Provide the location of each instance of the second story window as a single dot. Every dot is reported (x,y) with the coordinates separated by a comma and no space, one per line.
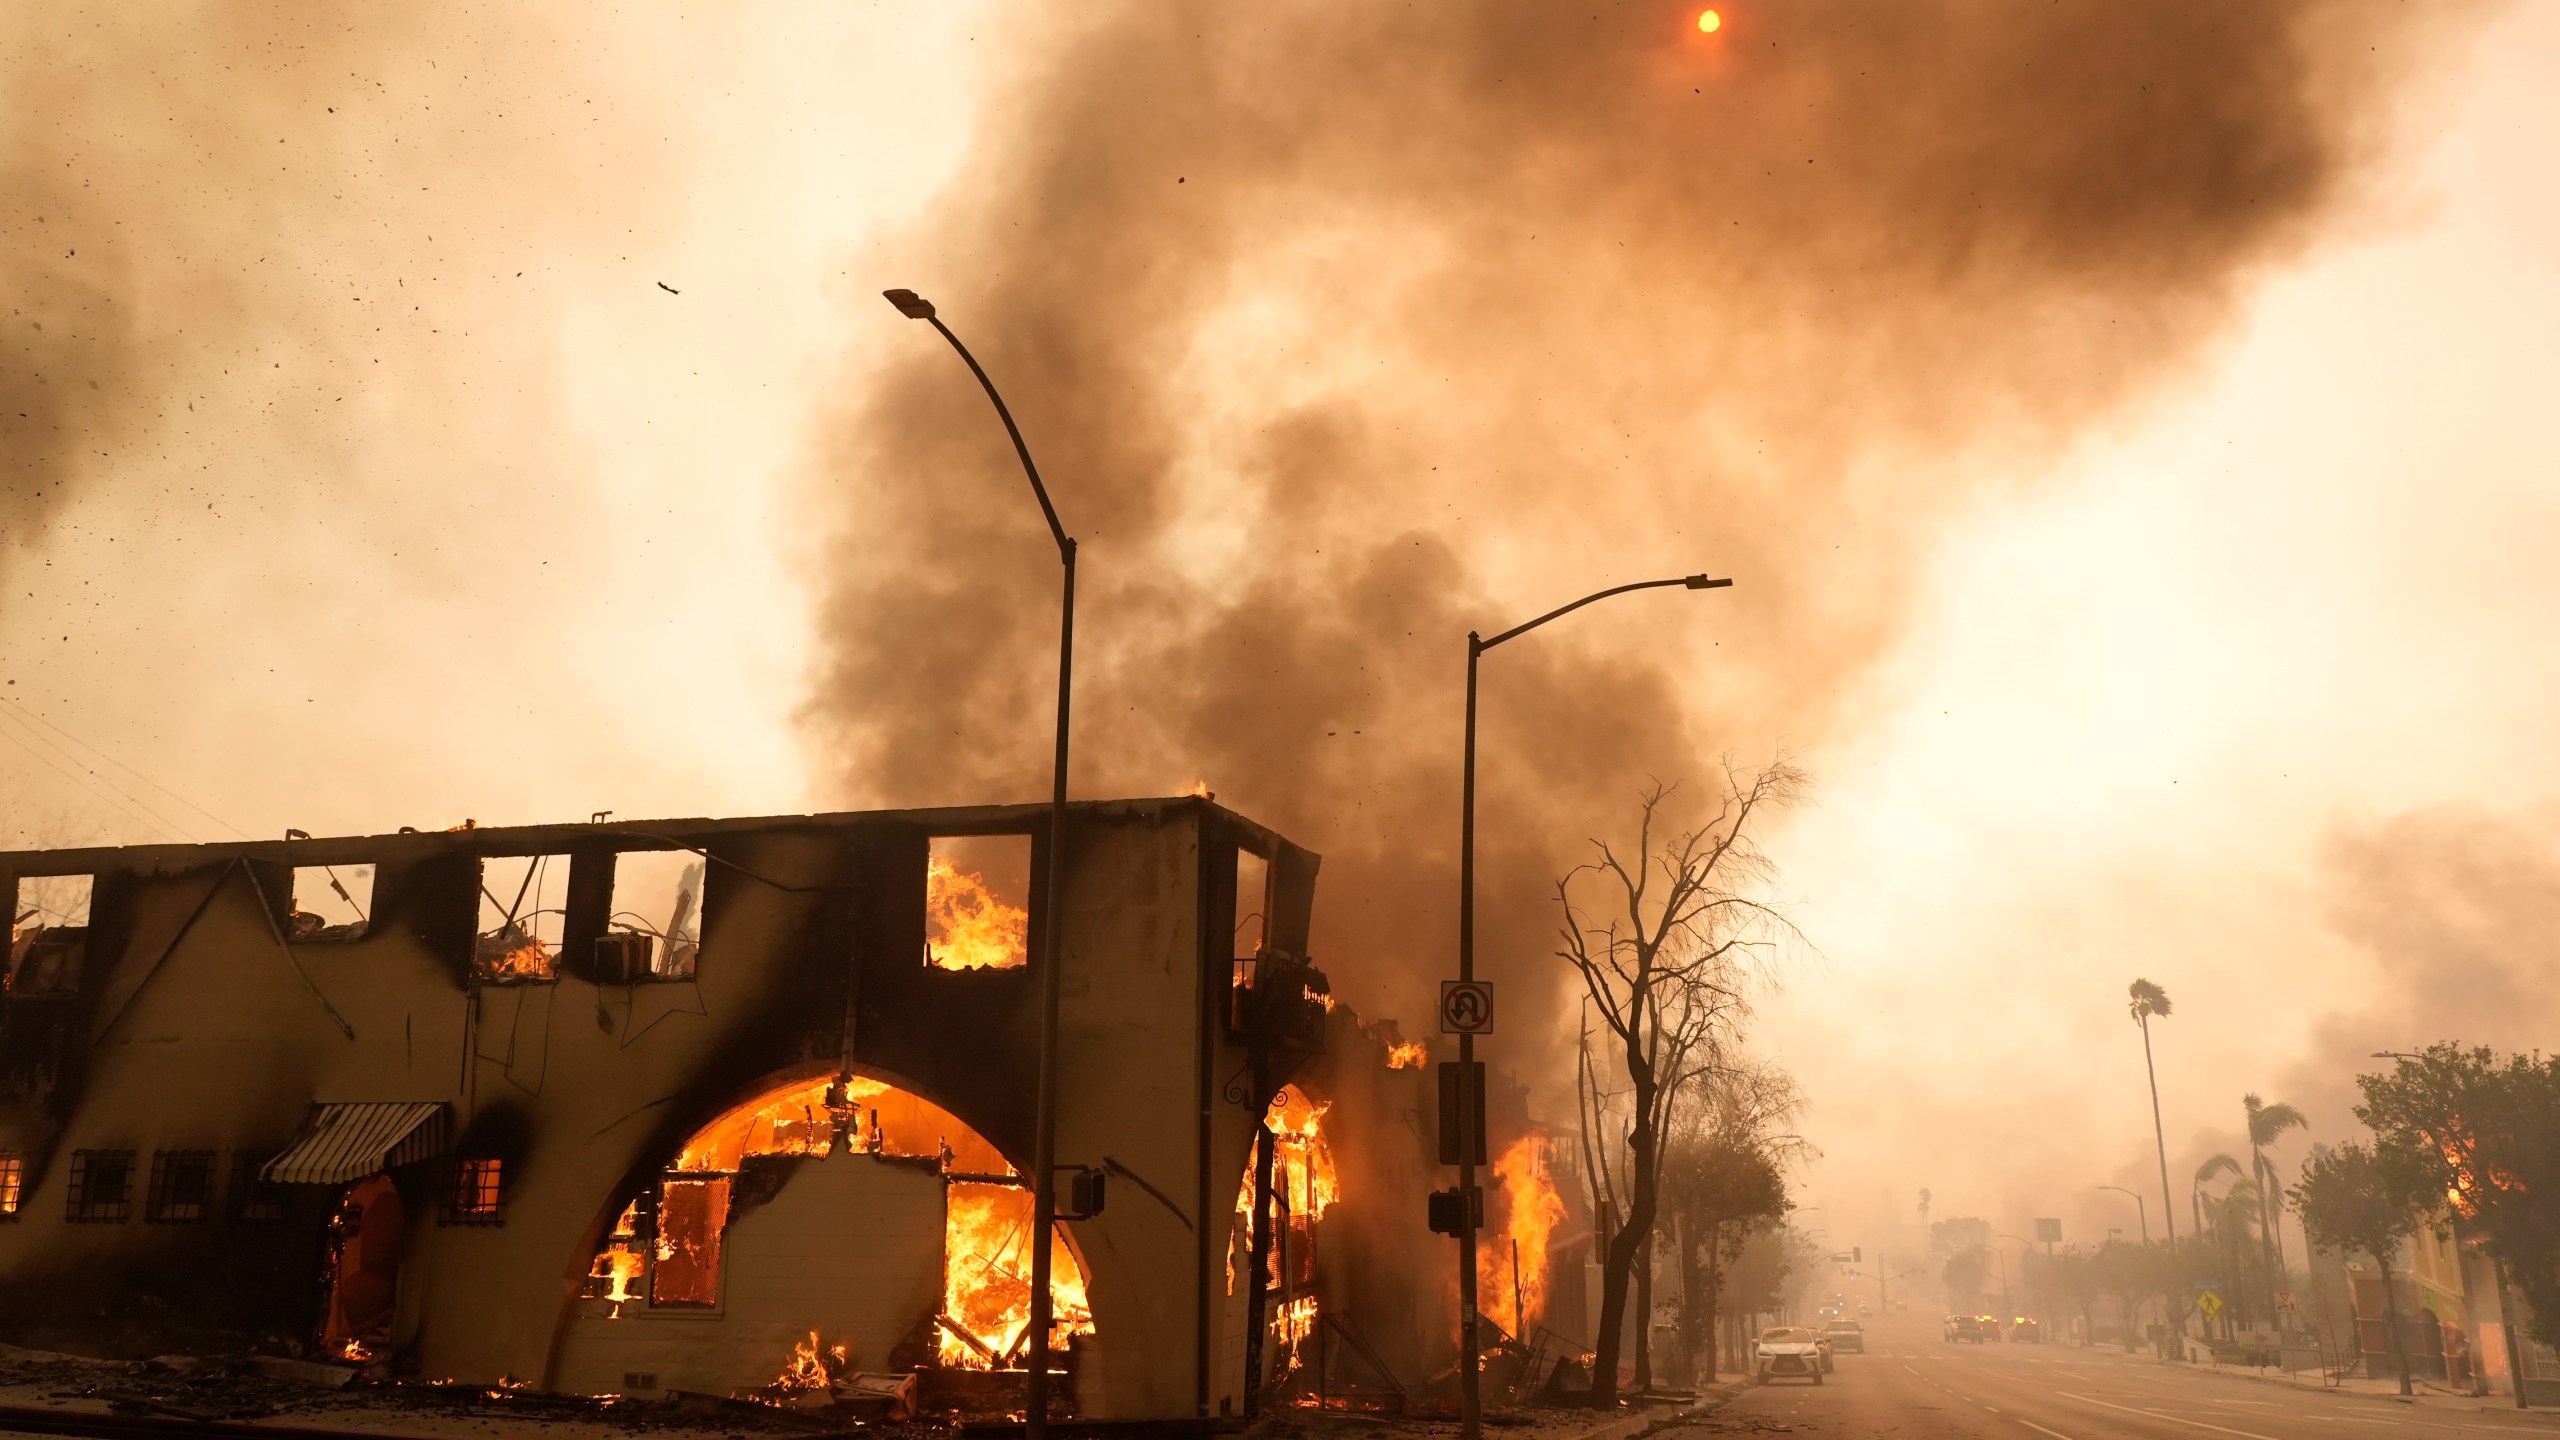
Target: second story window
(181,1187)
(977,902)
(13,1184)
(523,906)
(101,1188)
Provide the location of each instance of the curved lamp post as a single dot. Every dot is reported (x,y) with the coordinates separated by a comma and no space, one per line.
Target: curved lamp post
(1044,1132)
(1470,1377)
(2141,1211)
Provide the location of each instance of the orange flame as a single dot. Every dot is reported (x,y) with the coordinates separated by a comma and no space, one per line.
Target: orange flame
(1303,1181)
(1292,1324)
(986,1284)
(1408,1055)
(967,927)
(814,1366)
(1201,789)
(1535,1211)
(512,952)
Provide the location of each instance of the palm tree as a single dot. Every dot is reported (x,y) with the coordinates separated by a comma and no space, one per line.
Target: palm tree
(2211,1170)
(2150,1000)
(2266,1123)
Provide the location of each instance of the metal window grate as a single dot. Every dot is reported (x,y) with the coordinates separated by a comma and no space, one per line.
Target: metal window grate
(181,1190)
(477,1197)
(252,1195)
(13,1184)
(101,1189)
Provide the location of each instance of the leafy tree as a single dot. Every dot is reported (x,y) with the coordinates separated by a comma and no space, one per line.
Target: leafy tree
(1965,1275)
(1959,1233)
(1714,1191)
(2116,1269)
(2487,1133)
(2368,1198)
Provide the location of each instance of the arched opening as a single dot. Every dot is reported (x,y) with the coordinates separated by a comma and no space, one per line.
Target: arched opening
(826,1227)
(1303,1185)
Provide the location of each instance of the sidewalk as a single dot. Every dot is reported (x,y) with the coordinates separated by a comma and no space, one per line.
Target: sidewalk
(1629,1427)
(2426,1394)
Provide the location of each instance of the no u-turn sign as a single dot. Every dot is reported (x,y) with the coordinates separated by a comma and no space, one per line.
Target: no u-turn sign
(1466,1007)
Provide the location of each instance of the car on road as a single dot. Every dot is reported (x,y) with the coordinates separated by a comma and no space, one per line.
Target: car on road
(1846,1335)
(2026,1330)
(1990,1327)
(1965,1328)
(1788,1350)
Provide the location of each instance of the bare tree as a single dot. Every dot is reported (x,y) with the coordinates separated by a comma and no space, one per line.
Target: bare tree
(1668,973)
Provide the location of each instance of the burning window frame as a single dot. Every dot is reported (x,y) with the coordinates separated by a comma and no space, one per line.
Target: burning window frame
(995,915)
(492,966)
(84,1201)
(475,1191)
(13,1185)
(181,1188)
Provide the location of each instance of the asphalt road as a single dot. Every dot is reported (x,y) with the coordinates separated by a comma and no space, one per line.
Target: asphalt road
(1912,1384)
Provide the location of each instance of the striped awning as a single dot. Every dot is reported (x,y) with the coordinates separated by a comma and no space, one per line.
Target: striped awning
(350,1140)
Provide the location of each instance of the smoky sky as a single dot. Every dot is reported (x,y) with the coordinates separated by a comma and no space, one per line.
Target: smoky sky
(1339,331)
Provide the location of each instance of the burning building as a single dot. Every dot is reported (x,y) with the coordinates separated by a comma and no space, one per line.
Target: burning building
(724,1106)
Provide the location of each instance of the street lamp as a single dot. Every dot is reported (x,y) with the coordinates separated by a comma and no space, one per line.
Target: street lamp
(1470,1380)
(1044,1122)
(2139,1211)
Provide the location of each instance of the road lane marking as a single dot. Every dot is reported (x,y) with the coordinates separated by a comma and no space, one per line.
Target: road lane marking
(2056,1434)
(2172,1419)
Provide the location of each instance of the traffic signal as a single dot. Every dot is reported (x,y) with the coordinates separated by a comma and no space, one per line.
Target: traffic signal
(1455,1212)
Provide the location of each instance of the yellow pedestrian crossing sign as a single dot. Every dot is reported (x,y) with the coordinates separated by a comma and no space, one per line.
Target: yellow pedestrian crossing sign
(2210,1304)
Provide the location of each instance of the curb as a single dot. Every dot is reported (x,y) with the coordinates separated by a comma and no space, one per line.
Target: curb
(1631,1427)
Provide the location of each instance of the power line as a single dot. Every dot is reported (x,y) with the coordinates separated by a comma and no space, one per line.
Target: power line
(27,713)
(129,813)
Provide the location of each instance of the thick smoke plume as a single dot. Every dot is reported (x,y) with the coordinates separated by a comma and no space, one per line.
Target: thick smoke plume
(1340,331)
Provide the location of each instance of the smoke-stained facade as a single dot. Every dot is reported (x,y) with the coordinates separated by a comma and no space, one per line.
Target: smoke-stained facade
(431,1143)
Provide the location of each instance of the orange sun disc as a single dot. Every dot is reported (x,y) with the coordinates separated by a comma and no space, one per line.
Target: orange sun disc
(1710,22)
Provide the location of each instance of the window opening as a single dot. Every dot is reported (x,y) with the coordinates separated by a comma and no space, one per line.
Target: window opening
(655,932)
(181,1187)
(101,1188)
(1253,904)
(477,1197)
(252,1195)
(13,1184)
(523,907)
(1252,929)
(977,902)
(692,1213)
(330,902)
(48,928)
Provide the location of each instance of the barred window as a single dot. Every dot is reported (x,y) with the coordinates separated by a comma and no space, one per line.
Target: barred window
(476,1195)
(253,1196)
(101,1186)
(13,1184)
(181,1187)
